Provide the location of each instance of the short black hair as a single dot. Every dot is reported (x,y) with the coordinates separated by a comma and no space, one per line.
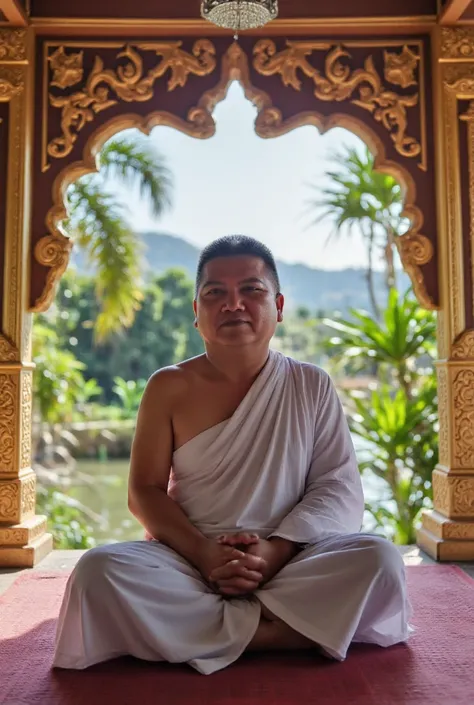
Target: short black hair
(235,246)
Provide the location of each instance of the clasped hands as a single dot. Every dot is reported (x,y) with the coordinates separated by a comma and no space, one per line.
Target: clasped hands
(238,564)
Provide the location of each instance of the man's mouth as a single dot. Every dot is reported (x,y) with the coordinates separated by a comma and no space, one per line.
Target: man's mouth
(235,323)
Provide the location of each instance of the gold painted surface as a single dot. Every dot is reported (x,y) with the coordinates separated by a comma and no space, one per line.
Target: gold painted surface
(410,24)
(454,494)
(12,45)
(22,534)
(463,347)
(128,82)
(362,86)
(468,117)
(53,250)
(9,405)
(443,411)
(457,43)
(463,417)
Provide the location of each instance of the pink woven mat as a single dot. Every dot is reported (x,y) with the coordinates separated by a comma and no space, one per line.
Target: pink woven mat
(434,668)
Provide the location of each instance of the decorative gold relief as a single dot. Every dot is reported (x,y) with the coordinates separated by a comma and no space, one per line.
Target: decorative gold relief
(28,497)
(129,82)
(441,492)
(463,348)
(416,250)
(400,68)
(52,251)
(463,436)
(26,417)
(9,500)
(8,352)
(8,405)
(67,68)
(457,43)
(443,410)
(340,82)
(12,45)
(12,82)
(463,497)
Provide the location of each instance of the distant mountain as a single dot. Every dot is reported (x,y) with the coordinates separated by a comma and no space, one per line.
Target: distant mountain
(317,289)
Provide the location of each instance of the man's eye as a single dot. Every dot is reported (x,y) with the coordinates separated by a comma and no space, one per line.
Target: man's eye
(252,288)
(213,292)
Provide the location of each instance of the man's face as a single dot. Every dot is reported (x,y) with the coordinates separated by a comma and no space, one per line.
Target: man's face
(237,302)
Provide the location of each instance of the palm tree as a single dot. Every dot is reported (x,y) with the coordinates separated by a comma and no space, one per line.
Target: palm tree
(364,200)
(98,225)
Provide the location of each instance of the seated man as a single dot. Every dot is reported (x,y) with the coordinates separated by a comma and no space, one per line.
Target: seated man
(244,475)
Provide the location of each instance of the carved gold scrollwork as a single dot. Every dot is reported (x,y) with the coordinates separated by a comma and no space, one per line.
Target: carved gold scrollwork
(463,347)
(340,82)
(12,45)
(128,82)
(12,81)
(443,408)
(52,251)
(457,43)
(9,499)
(26,418)
(463,400)
(8,352)
(416,250)
(8,405)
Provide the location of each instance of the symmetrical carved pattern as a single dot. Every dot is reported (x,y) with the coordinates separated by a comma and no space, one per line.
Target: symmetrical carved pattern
(457,43)
(8,405)
(416,250)
(463,497)
(362,86)
(9,500)
(463,436)
(12,45)
(463,348)
(26,418)
(458,531)
(443,411)
(28,496)
(129,82)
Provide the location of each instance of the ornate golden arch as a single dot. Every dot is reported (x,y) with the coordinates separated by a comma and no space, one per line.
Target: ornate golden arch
(53,250)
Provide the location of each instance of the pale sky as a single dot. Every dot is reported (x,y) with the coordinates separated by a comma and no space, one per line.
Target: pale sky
(237,182)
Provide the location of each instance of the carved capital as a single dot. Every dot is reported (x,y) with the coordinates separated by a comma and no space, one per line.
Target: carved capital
(12,45)
(457,42)
(8,352)
(463,347)
(453,494)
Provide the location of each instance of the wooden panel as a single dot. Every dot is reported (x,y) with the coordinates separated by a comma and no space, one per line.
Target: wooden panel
(189,9)
(469,13)
(4,123)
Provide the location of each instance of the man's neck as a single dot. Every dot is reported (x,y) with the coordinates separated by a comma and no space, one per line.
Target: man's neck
(240,364)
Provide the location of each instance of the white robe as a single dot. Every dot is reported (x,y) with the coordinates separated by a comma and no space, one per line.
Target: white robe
(282,465)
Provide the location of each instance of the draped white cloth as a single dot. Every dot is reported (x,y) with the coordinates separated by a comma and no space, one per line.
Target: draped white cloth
(282,465)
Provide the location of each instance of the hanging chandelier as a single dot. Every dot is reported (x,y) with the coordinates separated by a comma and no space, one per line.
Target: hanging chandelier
(239,14)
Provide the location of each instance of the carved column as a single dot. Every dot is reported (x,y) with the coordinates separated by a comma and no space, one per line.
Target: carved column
(23,537)
(447,532)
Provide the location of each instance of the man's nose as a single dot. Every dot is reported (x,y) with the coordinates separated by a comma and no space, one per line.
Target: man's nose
(233,302)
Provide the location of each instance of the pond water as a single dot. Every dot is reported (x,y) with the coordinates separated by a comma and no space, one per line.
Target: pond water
(106,495)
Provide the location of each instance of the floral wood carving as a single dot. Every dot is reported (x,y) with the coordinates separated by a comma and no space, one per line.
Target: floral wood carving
(463,348)
(443,408)
(26,417)
(441,492)
(8,405)
(12,81)
(362,86)
(28,496)
(52,251)
(67,68)
(9,501)
(12,45)
(8,351)
(416,250)
(105,87)
(463,398)
(457,42)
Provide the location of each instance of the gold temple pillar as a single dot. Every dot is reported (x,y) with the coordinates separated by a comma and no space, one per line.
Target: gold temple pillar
(23,536)
(447,532)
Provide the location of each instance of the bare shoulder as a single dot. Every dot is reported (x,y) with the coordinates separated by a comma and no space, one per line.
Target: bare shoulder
(169,384)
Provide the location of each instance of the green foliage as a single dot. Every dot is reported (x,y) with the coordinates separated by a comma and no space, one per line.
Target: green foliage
(67,519)
(396,424)
(59,383)
(98,224)
(130,394)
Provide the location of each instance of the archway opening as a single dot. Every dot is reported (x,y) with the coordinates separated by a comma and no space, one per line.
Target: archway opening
(274,190)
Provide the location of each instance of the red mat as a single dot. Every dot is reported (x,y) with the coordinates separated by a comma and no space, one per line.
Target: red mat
(435,668)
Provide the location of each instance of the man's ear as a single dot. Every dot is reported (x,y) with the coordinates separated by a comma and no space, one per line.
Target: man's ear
(280,302)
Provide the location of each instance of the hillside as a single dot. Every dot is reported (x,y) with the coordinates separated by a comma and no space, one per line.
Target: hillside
(303,286)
